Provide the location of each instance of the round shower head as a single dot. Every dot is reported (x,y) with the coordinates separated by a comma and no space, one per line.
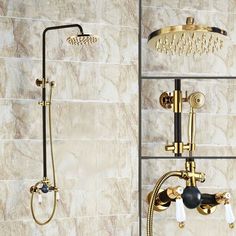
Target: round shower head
(82,39)
(196,100)
(189,39)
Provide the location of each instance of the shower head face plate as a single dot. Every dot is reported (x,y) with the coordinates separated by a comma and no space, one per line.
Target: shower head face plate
(189,39)
(196,100)
(82,39)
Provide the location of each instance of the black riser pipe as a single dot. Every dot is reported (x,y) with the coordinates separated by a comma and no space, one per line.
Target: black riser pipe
(177,120)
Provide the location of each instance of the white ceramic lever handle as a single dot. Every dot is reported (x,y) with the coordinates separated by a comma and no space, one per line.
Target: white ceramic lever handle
(229,215)
(180,212)
(58,196)
(40,198)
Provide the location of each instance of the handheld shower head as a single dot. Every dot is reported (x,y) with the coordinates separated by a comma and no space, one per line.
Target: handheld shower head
(196,100)
(82,39)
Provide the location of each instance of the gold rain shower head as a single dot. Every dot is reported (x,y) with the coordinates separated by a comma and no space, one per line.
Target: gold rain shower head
(189,39)
(82,39)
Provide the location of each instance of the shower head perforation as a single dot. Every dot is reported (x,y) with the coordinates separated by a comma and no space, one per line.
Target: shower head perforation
(82,39)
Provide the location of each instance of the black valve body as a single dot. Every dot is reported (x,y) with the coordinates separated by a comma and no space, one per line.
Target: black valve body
(191,197)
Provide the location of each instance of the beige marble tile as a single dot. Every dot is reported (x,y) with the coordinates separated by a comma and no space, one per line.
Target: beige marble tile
(114,159)
(20,120)
(29,228)
(21,160)
(232,7)
(117,225)
(198,5)
(83,11)
(114,196)
(118,45)
(118,83)
(161,3)
(153,128)
(86,81)
(120,12)
(87,226)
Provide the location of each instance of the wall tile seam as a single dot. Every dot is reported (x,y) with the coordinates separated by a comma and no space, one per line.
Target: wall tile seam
(202,76)
(199,145)
(213,188)
(69,179)
(70,140)
(26,59)
(195,217)
(147,110)
(70,22)
(76,101)
(122,140)
(190,9)
(171,75)
(70,218)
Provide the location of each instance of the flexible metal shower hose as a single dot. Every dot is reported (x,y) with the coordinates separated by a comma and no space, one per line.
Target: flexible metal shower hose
(53,170)
(153,198)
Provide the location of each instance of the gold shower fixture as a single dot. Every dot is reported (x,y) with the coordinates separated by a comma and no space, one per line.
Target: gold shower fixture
(175,102)
(160,200)
(45,186)
(188,39)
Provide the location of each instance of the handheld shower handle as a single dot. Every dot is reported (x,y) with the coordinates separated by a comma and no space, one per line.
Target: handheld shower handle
(196,101)
(191,129)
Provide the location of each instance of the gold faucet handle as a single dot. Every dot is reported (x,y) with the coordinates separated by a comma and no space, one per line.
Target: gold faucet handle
(39,82)
(164,197)
(166,100)
(222,198)
(175,192)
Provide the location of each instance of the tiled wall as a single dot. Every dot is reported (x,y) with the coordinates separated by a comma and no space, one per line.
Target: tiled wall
(94,116)
(215,133)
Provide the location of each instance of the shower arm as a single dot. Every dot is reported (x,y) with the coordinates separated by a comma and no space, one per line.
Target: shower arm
(43,83)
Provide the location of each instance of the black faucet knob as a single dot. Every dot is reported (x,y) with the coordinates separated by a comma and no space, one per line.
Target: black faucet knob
(45,188)
(191,197)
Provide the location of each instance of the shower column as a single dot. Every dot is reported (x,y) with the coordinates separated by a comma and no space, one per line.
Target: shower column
(177,115)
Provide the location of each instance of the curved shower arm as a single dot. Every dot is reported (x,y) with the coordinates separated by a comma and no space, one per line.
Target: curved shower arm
(156,189)
(44,41)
